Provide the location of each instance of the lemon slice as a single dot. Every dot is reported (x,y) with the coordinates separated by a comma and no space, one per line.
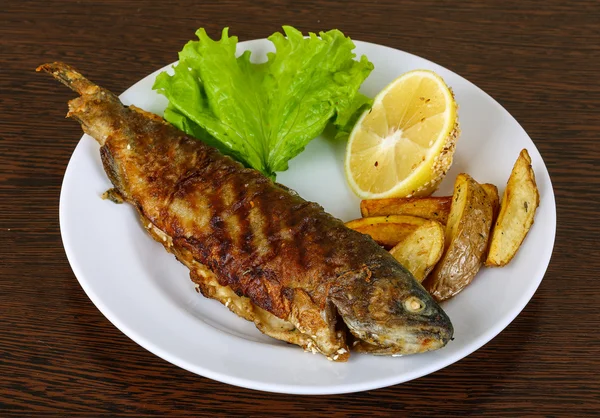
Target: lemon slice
(404,145)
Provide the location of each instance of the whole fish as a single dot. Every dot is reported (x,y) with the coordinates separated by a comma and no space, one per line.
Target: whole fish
(257,247)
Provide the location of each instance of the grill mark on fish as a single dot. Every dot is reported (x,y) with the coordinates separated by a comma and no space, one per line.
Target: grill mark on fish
(230,216)
(259,247)
(239,208)
(272,226)
(305,238)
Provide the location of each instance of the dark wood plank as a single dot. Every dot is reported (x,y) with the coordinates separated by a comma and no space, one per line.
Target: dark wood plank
(59,355)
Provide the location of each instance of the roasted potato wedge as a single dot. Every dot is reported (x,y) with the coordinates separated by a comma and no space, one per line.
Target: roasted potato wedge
(421,249)
(435,208)
(387,230)
(492,192)
(519,203)
(466,239)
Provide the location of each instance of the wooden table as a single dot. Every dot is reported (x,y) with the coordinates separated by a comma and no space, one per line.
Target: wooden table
(60,355)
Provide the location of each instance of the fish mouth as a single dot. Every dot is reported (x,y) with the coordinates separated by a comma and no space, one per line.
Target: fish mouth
(402,340)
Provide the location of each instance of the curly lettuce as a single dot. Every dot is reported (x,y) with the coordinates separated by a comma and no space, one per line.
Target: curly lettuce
(264,114)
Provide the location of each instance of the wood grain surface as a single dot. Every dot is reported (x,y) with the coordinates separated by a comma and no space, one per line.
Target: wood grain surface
(60,356)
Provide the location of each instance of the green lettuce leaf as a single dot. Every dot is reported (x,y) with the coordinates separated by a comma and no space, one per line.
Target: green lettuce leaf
(264,114)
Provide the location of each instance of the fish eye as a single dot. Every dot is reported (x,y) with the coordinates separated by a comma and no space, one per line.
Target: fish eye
(413,304)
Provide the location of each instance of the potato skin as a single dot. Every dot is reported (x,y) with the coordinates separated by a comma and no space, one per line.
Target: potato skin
(467,234)
(492,192)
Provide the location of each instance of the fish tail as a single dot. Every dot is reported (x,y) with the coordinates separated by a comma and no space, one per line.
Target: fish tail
(70,77)
(96,108)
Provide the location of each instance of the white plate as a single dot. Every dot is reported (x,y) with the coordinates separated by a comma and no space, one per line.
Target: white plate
(147,294)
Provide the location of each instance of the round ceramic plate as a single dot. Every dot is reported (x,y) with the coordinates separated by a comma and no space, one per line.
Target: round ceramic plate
(147,294)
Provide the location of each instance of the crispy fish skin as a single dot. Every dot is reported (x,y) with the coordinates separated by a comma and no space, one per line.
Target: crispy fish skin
(269,255)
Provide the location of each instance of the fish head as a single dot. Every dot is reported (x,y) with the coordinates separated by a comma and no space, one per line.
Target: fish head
(388,312)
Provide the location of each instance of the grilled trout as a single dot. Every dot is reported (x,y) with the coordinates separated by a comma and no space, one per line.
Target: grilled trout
(270,256)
